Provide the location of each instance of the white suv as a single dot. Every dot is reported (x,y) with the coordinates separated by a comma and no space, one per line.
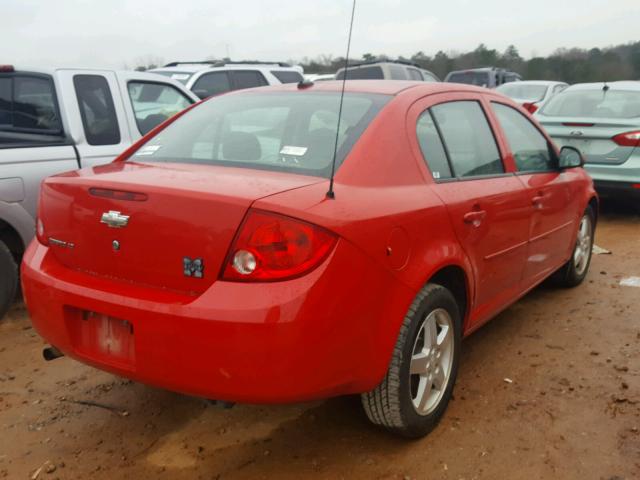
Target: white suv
(387,70)
(213,78)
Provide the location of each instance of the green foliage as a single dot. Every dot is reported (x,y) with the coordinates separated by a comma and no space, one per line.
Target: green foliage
(574,65)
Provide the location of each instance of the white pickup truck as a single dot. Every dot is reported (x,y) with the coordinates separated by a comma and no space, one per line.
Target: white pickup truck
(55,120)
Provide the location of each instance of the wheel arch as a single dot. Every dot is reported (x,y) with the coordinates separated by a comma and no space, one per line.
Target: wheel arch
(455,279)
(12,239)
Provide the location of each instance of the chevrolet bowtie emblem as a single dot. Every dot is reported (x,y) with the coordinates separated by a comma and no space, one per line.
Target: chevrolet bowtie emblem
(114,219)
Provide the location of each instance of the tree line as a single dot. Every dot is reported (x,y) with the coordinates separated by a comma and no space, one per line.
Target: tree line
(574,65)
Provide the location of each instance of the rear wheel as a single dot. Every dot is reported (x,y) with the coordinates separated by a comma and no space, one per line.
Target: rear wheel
(8,279)
(575,270)
(415,392)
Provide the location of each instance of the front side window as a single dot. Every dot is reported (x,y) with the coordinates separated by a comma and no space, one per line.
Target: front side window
(594,104)
(397,72)
(97,110)
(529,147)
(287,76)
(247,79)
(153,103)
(468,139)
(212,84)
(292,132)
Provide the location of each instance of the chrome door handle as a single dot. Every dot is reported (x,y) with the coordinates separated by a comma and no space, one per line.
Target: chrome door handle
(475,218)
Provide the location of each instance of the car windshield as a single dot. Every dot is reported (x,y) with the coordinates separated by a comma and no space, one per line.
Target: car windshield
(530,93)
(182,77)
(292,131)
(480,79)
(594,104)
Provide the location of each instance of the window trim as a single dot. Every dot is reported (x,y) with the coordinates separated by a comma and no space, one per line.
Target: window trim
(455,177)
(83,115)
(34,131)
(155,82)
(552,152)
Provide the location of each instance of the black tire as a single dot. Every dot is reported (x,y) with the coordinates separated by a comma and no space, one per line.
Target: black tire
(391,403)
(8,279)
(569,275)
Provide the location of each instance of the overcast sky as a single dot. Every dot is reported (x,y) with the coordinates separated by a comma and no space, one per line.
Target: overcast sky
(112,33)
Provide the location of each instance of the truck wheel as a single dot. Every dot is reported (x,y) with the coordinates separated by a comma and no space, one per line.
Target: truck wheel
(414,394)
(8,279)
(575,270)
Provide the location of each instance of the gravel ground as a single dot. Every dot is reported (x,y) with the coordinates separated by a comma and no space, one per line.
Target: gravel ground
(571,409)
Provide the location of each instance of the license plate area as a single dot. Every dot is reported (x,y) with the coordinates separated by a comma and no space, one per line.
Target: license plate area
(102,338)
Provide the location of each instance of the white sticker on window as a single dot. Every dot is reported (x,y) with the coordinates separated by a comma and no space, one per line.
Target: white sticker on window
(294,151)
(436,175)
(148,150)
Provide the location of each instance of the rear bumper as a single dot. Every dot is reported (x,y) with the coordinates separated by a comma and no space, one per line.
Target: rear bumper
(325,334)
(608,188)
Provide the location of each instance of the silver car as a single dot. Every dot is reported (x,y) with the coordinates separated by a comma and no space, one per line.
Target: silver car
(532,94)
(603,121)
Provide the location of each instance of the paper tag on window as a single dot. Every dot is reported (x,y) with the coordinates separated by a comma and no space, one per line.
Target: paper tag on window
(148,150)
(293,151)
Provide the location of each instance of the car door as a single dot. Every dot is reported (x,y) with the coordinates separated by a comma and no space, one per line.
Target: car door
(487,204)
(98,122)
(554,201)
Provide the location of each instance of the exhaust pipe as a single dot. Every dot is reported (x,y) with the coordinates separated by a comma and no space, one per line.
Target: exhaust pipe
(51,353)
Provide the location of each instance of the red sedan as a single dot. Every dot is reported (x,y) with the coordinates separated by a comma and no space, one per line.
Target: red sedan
(210,260)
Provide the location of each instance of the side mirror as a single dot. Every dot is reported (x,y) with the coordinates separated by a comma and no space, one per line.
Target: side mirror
(570,157)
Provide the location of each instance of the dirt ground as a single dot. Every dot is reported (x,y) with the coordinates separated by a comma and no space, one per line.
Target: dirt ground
(572,410)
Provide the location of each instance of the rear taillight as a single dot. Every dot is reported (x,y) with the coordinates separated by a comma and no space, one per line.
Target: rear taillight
(530,107)
(629,139)
(6,68)
(40,232)
(270,247)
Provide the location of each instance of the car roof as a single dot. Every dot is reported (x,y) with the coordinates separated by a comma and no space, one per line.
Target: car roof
(383,87)
(534,82)
(623,85)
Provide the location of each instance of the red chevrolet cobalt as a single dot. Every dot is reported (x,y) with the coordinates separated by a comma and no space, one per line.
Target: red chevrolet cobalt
(213,258)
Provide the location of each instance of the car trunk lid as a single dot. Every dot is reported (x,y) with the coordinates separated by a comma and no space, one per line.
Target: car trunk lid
(148,224)
(593,137)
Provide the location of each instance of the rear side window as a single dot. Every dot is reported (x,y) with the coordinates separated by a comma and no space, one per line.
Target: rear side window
(247,79)
(414,74)
(97,110)
(153,103)
(212,84)
(364,73)
(397,72)
(468,139)
(287,76)
(432,147)
(529,147)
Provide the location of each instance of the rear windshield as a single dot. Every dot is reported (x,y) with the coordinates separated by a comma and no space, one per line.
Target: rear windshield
(480,79)
(594,104)
(293,132)
(28,110)
(182,77)
(363,73)
(530,93)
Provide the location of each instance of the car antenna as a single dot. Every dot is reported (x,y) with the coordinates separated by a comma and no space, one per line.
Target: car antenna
(330,193)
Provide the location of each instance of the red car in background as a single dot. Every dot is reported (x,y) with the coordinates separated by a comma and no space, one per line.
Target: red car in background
(209,259)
